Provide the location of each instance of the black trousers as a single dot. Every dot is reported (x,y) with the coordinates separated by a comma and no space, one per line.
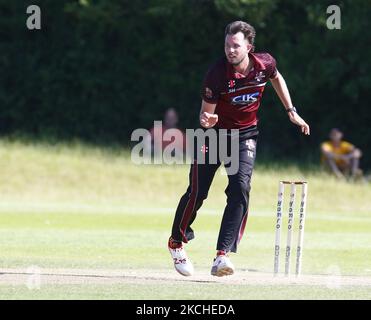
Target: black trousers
(200,178)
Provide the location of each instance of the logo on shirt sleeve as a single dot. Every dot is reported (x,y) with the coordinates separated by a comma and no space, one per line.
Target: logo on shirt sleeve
(208,93)
(259,76)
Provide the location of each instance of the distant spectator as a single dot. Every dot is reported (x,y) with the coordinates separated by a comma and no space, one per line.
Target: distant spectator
(156,137)
(341,157)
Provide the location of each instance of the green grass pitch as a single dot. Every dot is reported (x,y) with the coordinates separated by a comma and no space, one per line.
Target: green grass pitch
(96,227)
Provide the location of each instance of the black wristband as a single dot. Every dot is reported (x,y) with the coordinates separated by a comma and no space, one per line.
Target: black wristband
(293,109)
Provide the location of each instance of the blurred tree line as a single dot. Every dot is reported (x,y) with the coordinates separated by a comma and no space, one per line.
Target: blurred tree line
(98,69)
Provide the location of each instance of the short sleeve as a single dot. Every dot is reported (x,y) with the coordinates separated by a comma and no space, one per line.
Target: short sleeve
(271,66)
(211,88)
(346,147)
(325,146)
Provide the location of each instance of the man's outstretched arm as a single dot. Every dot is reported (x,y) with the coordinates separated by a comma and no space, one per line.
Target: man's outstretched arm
(279,85)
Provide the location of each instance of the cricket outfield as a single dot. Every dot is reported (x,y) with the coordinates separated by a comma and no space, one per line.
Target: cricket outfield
(80,222)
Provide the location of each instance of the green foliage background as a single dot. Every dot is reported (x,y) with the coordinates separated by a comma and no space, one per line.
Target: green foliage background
(98,69)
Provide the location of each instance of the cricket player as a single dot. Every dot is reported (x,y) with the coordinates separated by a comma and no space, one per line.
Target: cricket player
(231,95)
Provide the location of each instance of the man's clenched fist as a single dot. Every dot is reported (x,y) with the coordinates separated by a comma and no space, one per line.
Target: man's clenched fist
(208,120)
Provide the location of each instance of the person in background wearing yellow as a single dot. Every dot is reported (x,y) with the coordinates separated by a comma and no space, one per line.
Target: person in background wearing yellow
(340,157)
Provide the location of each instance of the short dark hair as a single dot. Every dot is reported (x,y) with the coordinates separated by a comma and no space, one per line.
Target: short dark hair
(336,130)
(241,26)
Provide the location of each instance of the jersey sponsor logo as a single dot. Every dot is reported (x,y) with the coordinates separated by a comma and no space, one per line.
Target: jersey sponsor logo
(245,99)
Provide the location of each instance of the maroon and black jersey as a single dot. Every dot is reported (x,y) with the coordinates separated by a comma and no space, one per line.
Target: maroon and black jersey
(237,96)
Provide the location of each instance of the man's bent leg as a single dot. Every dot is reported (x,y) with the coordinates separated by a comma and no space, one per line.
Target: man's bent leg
(200,179)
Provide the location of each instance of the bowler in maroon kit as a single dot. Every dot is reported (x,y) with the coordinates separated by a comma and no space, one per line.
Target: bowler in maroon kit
(231,95)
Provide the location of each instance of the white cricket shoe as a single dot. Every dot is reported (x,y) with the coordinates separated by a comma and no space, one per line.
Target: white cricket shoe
(222,266)
(182,263)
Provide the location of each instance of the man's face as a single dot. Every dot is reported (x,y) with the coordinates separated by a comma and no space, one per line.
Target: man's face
(336,136)
(171,118)
(236,48)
